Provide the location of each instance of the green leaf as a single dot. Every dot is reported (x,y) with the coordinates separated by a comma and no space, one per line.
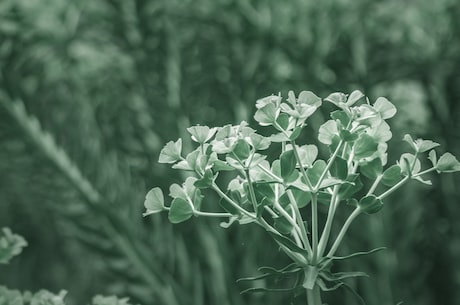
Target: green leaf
(315,172)
(228,207)
(308,154)
(206,181)
(411,142)
(154,201)
(447,163)
(372,169)
(283,121)
(365,146)
(220,165)
(295,133)
(425,145)
(308,97)
(342,117)
(288,163)
(381,132)
(171,152)
(347,136)
(302,198)
(432,157)
(356,254)
(176,191)
(264,190)
(406,162)
(327,131)
(192,159)
(391,175)
(370,204)
(339,168)
(354,97)
(347,190)
(10,245)
(336,98)
(259,142)
(241,149)
(282,225)
(288,244)
(180,211)
(343,275)
(201,134)
(266,115)
(386,109)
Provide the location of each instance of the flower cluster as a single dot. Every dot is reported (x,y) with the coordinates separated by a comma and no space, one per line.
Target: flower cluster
(270,192)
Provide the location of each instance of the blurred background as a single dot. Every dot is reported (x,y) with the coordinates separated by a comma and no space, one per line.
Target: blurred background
(91,90)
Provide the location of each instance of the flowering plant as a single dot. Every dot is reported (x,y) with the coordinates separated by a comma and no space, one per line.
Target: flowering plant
(282,195)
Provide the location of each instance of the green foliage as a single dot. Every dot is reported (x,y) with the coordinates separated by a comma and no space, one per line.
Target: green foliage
(107,82)
(271,195)
(10,245)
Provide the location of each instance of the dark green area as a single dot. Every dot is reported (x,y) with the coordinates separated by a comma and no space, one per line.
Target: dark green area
(90,91)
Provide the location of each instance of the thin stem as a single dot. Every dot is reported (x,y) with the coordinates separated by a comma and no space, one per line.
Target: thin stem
(251,190)
(424,172)
(303,231)
(229,200)
(330,218)
(328,166)
(296,257)
(302,169)
(314,227)
(375,184)
(211,214)
(268,172)
(288,217)
(342,232)
(394,188)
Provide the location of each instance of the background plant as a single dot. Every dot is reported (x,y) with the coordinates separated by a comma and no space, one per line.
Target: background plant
(110,81)
(273,194)
(11,245)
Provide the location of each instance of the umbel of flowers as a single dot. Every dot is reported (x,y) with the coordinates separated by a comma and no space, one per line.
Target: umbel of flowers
(282,195)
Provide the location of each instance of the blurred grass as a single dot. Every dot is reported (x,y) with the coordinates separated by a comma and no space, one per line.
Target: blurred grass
(108,82)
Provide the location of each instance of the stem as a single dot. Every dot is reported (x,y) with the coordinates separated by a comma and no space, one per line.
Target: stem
(375,184)
(296,257)
(328,166)
(314,227)
(251,190)
(268,172)
(330,218)
(302,169)
(314,296)
(283,212)
(394,188)
(425,172)
(303,232)
(229,200)
(211,214)
(342,232)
